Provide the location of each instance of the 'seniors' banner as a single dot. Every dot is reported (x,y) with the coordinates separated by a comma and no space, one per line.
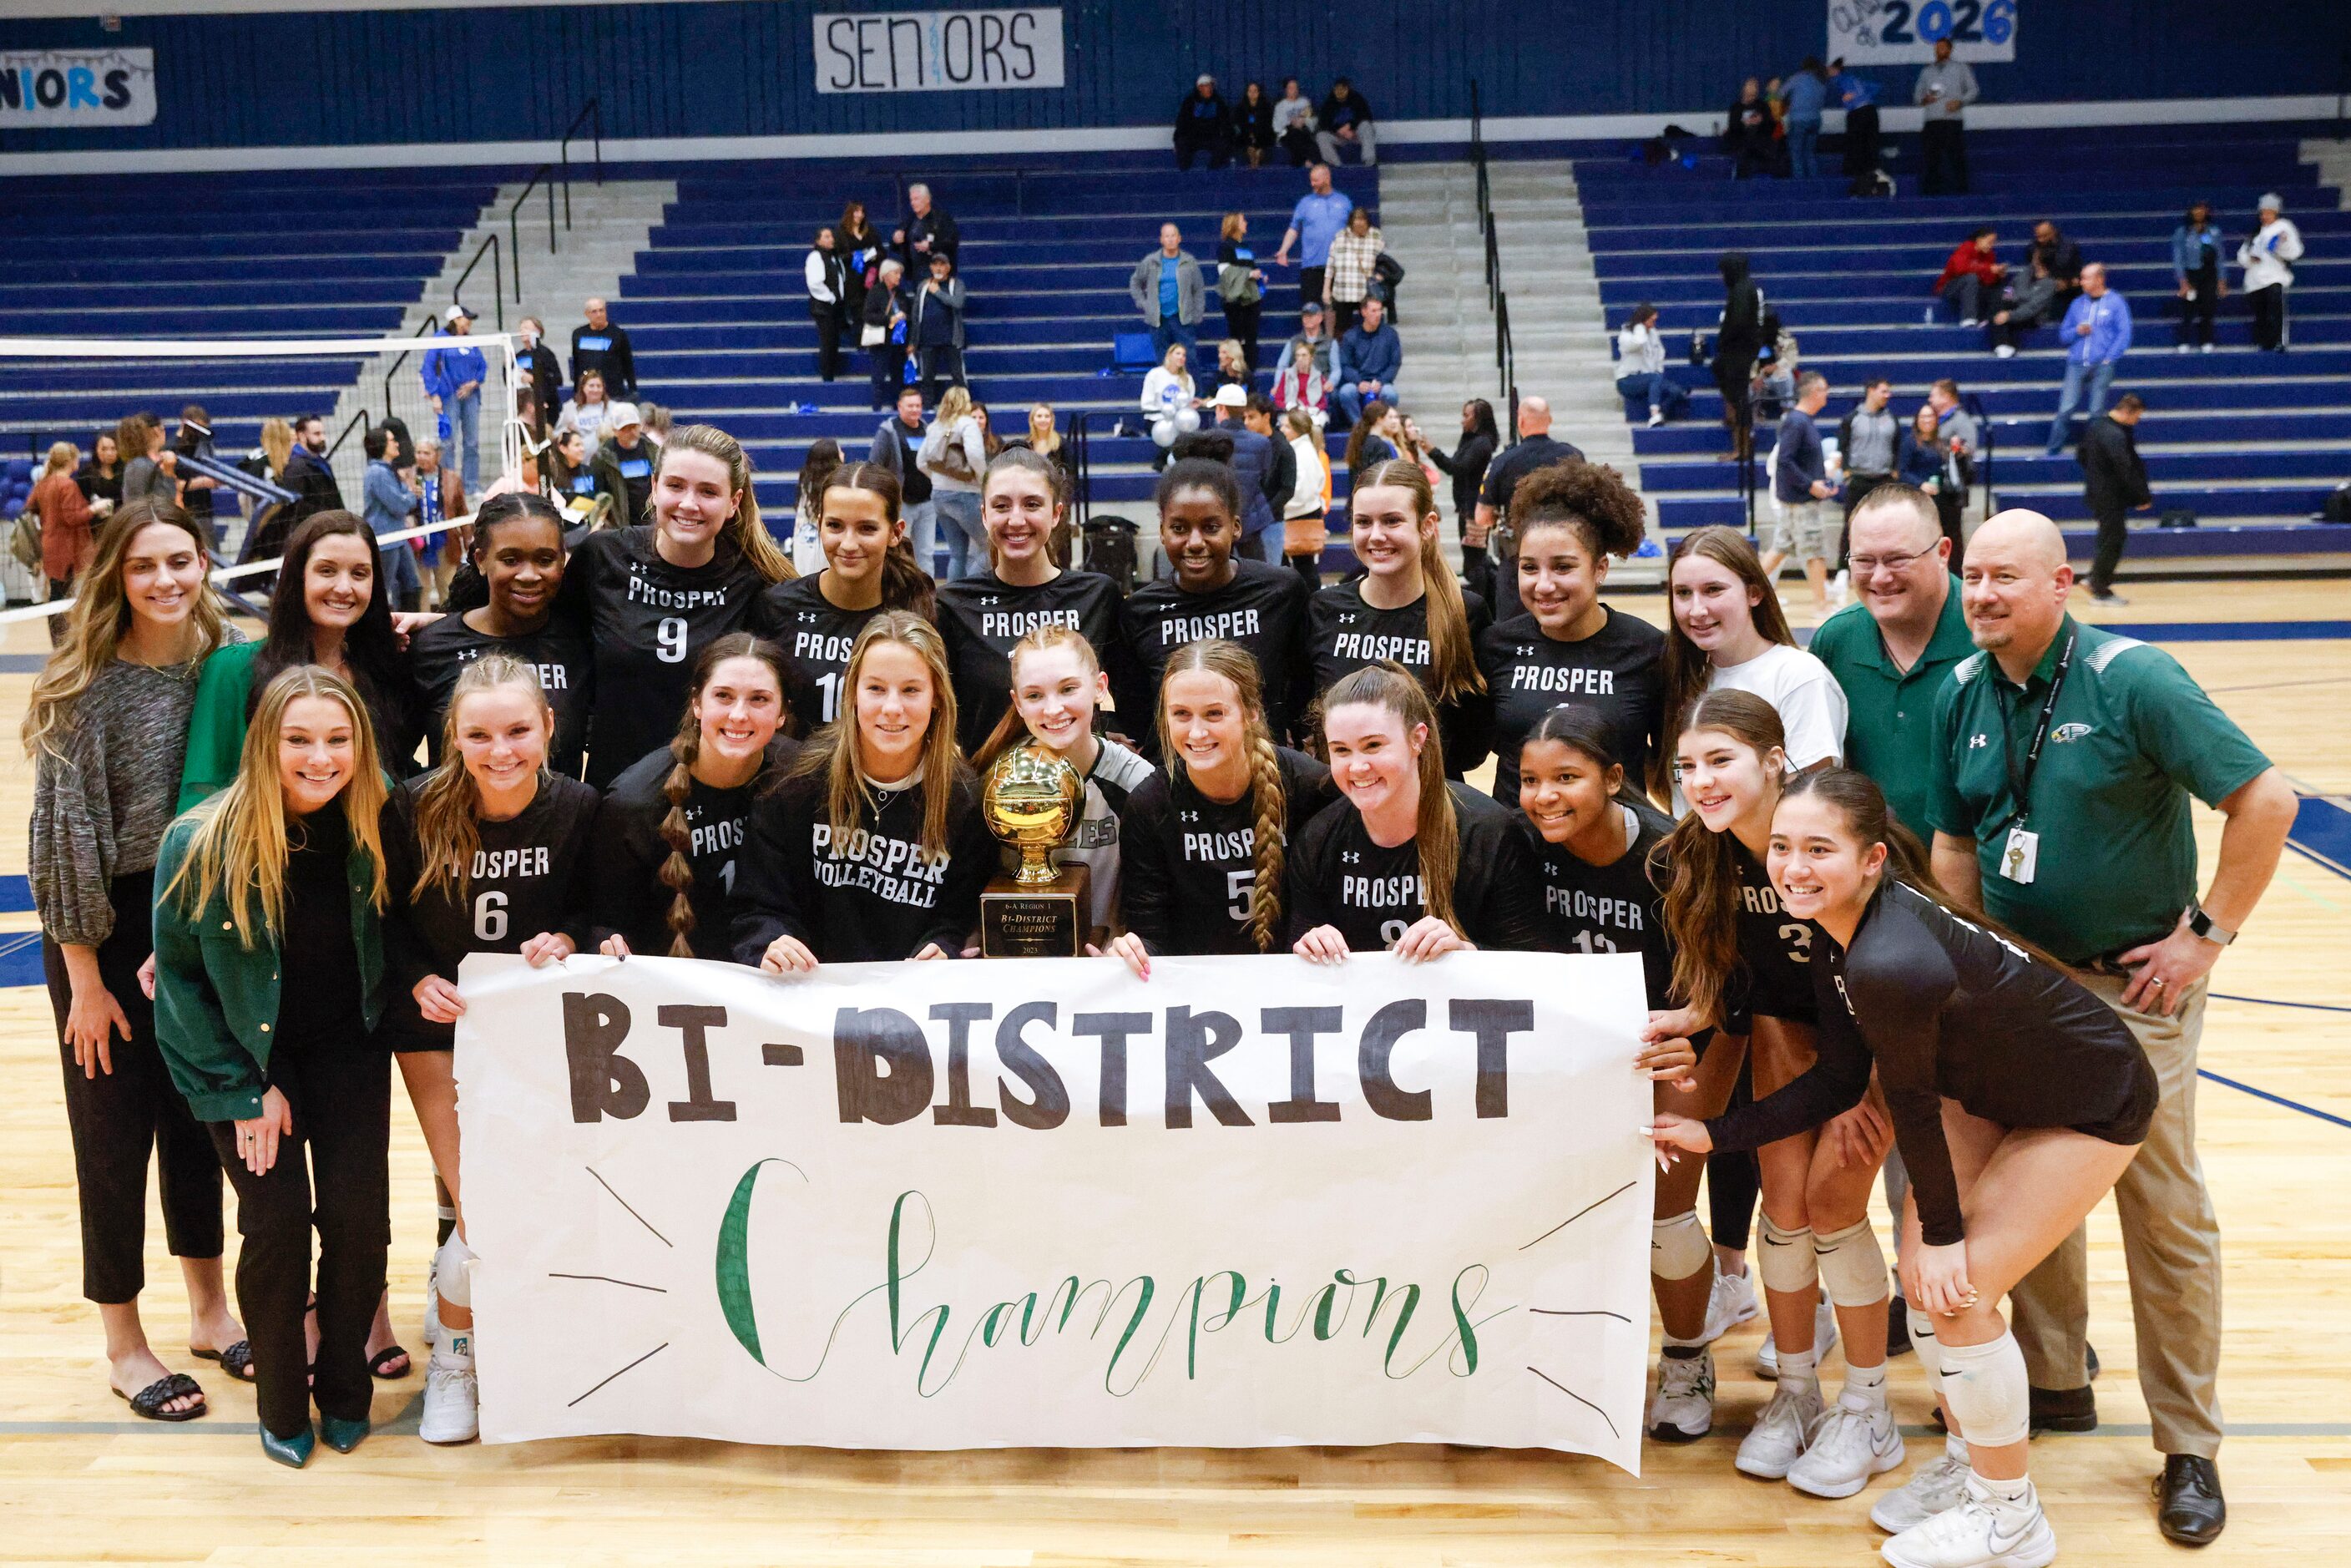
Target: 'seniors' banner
(1037,1202)
(1905,32)
(77,87)
(938,51)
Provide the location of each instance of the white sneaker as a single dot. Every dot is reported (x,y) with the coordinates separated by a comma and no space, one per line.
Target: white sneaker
(2206,349)
(1657,417)
(1976,1535)
(1971,321)
(1852,1444)
(1730,1303)
(2181,349)
(452,1402)
(1937,1487)
(1778,1438)
(1840,589)
(1824,1338)
(1683,1409)
(2005,351)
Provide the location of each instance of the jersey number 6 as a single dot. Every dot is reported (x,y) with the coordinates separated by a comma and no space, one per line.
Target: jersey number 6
(490,917)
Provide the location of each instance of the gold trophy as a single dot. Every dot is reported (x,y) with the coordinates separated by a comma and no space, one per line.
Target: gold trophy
(1031,801)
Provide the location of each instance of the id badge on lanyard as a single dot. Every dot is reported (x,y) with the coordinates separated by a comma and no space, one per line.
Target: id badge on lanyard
(2020,857)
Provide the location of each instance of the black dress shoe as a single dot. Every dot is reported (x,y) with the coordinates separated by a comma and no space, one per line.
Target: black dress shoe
(2189,1507)
(2090,1360)
(2065,1410)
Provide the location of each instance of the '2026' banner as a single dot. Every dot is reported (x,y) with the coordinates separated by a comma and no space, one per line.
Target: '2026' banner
(1250,1201)
(1905,32)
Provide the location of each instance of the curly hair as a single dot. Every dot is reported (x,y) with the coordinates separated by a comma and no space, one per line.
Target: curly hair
(1591,499)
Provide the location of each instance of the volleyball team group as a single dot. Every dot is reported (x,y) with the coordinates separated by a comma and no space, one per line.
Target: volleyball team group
(659,740)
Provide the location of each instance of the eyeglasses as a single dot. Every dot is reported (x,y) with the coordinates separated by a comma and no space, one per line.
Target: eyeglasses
(1870,565)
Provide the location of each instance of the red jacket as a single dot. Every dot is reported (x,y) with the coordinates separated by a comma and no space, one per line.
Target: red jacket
(1968,258)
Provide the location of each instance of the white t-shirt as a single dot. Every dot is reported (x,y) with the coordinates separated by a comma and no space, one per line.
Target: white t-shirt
(1812,704)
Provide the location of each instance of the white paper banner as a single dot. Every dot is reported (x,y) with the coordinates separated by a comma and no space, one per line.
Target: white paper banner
(1040,1203)
(938,51)
(77,87)
(1905,32)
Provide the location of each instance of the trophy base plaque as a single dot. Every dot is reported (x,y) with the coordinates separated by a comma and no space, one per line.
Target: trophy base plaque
(1036,920)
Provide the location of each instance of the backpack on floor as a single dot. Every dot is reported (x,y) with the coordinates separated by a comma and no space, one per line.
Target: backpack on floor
(2339,506)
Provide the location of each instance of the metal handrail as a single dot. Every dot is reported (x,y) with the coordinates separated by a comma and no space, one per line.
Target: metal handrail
(1987,443)
(592,111)
(359,422)
(546,177)
(1497,298)
(425,329)
(498,279)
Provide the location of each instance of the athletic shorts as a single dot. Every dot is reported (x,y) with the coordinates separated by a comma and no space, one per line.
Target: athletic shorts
(1807,530)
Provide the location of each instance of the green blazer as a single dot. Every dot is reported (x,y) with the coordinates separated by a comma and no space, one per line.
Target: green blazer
(216,725)
(216,999)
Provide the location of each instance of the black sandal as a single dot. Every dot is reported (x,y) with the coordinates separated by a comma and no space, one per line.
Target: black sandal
(149,1402)
(236,1360)
(383,1358)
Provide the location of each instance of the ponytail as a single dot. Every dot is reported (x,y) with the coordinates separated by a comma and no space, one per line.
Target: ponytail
(906,585)
(750,534)
(1453,671)
(1011,726)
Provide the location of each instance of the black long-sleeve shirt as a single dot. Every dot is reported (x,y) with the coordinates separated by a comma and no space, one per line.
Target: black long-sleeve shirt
(625,891)
(1619,907)
(1775,974)
(1944,1010)
(558,651)
(2112,478)
(980,617)
(1468,466)
(605,350)
(1615,671)
(1263,608)
(1190,864)
(1344,634)
(1339,877)
(815,637)
(878,896)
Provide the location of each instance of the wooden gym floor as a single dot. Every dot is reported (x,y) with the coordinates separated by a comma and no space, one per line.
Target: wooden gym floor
(81,1481)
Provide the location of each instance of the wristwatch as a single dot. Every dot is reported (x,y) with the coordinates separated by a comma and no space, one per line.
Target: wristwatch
(2204,926)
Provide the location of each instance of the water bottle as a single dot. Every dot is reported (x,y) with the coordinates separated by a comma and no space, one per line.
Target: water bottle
(1930,315)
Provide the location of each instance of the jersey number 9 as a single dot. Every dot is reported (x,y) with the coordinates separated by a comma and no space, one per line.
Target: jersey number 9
(671,635)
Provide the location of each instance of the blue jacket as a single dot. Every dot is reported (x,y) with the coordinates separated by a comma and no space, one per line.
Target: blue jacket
(1253,466)
(1368,356)
(1802,461)
(1850,91)
(1920,462)
(446,368)
(2109,319)
(2190,246)
(1807,95)
(388,503)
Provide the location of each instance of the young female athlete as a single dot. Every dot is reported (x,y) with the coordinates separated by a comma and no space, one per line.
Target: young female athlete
(1056,683)
(671,827)
(488,853)
(518,548)
(282,874)
(869,568)
(1405,860)
(1214,593)
(873,846)
(1206,840)
(1567,646)
(1022,501)
(1746,964)
(107,718)
(1406,606)
(2052,1098)
(1728,631)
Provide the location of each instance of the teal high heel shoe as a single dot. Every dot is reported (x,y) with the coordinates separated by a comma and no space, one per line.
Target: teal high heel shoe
(343,1436)
(293,1452)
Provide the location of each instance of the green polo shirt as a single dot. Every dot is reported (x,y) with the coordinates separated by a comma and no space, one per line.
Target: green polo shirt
(1889,733)
(2132,738)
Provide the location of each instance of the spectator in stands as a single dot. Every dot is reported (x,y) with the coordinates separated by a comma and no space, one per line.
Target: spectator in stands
(194,439)
(1806,96)
(1943,92)
(1869,440)
(588,411)
(658,419)
(896,445)
(929,232)
(1858,99)
(1534,449)
(1261,417)
(1314,223)
(2032,303)
(1367,363)
(2268,259)
(144,475)
(826,273)
(1736,341)
(2060,255)
(1314,332)
(274,450)
(1240,282)
(442,492)
(883,332)
(1470,458)
(1956,433)
(1168,289)
(1204,126)
(807,549)
(1253,125)
(1253,465)
(1293,124)
(388,503)
(861,259)
(1232,368)
(1344,120)
(1971,276)
(569,479)
(1300,386)
(601,344)
(1170,402)
(1377,438)
(1641,367)
(308,474)
(2097,334)
(1305,520)
(452,375)
(542,370)
(1801,486)
(955,456)
(1747,132)
(2196,273)
(1347,279)
(624,465)
(100,478)
(1922,462)
(67,542)
(936,328)
(2114,481)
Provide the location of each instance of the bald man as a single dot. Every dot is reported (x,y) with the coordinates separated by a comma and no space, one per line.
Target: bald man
(600,343)
(1534,449)
(2064,759)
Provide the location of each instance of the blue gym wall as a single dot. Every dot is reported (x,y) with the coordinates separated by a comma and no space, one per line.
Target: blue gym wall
(356,76)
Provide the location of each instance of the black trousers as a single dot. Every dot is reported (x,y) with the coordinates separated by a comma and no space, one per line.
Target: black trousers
(2114,532)
(2268,316)
(1217,153)
(1240,322)
(1945,155)
(889,372)
(1310,288)
(2196,315)
(118,1117)
(1734,1182)
(1861,145)
(942,369)
(330,1176)
(828,338)
(1949,502)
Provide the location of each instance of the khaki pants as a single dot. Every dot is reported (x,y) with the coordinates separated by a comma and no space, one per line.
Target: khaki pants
(2171,1244)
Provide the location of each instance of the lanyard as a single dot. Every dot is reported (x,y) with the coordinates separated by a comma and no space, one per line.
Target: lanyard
(2020,781)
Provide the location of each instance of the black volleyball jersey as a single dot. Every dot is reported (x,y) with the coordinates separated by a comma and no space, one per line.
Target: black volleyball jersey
(1339,877)
(1344,634)
(1944,1009)
(625,891)
(1775,954)
(815,638)
(647,620)
(1263,608)
(878,895)
(1188,864)
(981,618)
(529,875)
(1619,907)
(1618,670)
(439,654)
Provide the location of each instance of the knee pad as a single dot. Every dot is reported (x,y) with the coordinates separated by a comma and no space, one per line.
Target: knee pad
(1985,1389)
(1851,1268)
(1928,1348)
(1678,1247)
(1787,1262)
(453,1272)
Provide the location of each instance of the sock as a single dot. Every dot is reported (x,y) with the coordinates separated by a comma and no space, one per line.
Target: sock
(2016,1494)
(1864,1387)
(455,1349)
(1800,1371)
(1955,1449)
(1684,1349)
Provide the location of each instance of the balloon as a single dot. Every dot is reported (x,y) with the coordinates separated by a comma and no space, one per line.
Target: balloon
(1187,420)
(1163,431)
